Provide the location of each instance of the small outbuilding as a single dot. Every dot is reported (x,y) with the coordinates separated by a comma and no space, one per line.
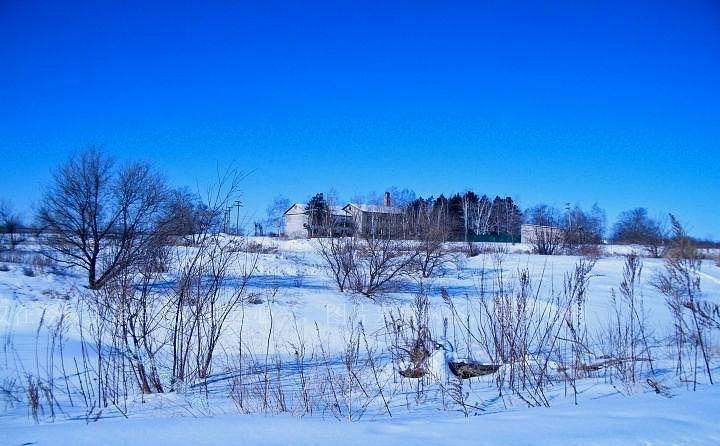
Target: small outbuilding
(532,233)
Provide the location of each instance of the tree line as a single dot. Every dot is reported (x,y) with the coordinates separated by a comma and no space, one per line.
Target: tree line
(106,218)
(466,216)
(469,216)
(103,217)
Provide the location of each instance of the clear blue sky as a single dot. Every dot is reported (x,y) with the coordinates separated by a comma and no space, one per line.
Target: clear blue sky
(610,102)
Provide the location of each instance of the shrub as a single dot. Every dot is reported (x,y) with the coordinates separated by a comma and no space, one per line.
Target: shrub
(41,264)
(472,249)
(258,248)
(592,251)
(12,257)
(33,397)
(680,283)
(368,265)
(547,240)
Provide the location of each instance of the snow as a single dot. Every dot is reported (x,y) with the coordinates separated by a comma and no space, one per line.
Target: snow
(294,286)
(689,418)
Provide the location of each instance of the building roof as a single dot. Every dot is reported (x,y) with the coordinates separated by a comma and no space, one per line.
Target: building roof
(302,209)
(374,209)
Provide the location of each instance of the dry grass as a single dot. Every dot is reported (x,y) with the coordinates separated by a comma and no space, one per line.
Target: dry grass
(259,248)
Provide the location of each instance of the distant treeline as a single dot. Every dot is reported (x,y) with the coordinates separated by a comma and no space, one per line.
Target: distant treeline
(469,216)
(474,217)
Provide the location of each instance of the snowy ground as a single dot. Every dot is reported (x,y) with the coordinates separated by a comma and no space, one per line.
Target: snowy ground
(686,419)
(297,290)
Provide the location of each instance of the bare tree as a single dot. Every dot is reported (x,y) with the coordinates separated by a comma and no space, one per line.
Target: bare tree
(99,217)
(470,202)
(547,237)
(212,283)
(637,227)
(583,230)
(547,240)
(339,253)
(169,334)
(480,214)
(187,217)
(10,225)
(367,263)
(275,212)
(431,227)
(379,261)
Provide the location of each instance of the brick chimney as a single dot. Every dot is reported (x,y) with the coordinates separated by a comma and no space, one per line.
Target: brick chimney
(386,201)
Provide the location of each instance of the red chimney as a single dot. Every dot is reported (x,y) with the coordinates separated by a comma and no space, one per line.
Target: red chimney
(386,200)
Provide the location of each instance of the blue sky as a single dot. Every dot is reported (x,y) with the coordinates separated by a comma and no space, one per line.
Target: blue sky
(584,102)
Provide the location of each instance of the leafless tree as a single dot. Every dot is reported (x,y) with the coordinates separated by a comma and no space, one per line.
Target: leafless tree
(380,260)
(547,240)
(480,214)
(547,236)
(637,227)
(275,212)
(583,230)
(212,283)
(188,218)
(10,226)
(367,264)
(169,334)
(100,217)
(431,227)
(339,254)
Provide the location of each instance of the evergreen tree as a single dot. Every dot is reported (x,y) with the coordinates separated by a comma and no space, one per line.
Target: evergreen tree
(318,213)
(456,217)
(505,218)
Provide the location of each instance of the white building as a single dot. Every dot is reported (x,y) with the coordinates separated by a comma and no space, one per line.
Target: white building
(531,233)
(347,220)
(297,221)
(372,219)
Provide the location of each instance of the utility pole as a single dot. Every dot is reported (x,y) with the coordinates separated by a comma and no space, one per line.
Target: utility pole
(237,218)
(229,221)
(568,215)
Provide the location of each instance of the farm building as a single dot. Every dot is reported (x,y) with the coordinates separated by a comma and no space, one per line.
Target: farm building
(297,221)
(373,219)
(350,219)
(531,233)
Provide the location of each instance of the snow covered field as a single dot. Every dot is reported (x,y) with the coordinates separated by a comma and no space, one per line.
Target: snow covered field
(295,297)
(686,419)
